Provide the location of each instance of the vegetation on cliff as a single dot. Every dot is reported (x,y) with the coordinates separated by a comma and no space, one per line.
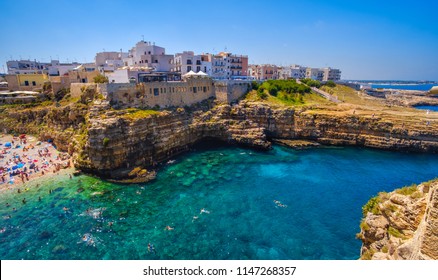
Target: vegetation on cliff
(284,92)
(400,224)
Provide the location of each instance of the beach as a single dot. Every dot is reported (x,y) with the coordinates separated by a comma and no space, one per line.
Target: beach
(24,159)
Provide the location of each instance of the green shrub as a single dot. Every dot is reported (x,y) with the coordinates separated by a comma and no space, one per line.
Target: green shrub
(100,79)
(105,142)
(407,190)
(371,206)
(330,84)
(364,226)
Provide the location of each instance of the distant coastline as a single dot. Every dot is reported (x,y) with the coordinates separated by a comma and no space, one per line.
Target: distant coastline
(396,84)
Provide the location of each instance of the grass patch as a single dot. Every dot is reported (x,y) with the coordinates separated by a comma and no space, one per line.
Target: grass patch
(395,232)
(286,99)
(135,114)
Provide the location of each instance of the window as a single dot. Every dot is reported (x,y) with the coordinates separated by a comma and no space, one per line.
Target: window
(164,90)
(194,89)
(150,91)
(161,90)
(156,91)
(205,89)
(33,83)
(189,68)
(26,83)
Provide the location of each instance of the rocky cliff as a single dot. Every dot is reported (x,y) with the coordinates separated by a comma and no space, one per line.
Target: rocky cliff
(121,140)
(402,224)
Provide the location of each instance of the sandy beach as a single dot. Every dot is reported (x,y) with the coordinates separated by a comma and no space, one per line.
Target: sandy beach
(24,159)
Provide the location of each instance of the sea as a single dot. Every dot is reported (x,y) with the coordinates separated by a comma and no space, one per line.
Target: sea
(217,202)
(401,85)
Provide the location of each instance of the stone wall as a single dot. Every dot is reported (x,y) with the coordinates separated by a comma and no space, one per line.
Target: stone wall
(230,91)
(159,94)
(165,94)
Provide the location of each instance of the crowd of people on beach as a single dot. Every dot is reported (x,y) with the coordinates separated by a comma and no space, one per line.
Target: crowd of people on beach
(23,158)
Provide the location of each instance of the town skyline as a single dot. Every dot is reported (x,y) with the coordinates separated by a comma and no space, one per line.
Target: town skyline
(384,42)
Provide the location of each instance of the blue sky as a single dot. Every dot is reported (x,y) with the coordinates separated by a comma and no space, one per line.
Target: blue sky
(365,39)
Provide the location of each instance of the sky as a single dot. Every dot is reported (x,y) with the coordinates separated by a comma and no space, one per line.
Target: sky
(369,40)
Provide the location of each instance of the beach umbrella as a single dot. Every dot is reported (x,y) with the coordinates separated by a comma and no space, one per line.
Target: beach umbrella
(8,144)
(23,136)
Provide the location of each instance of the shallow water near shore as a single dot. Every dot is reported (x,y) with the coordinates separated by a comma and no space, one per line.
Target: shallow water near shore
(319,193)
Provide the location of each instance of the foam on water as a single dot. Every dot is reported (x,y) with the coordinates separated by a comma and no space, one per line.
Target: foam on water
(282,204)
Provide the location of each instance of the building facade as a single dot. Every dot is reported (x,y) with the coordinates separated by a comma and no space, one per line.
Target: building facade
(26,82)
(147,54)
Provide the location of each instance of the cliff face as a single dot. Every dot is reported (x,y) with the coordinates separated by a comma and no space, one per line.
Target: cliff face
(118,141)
(402,224)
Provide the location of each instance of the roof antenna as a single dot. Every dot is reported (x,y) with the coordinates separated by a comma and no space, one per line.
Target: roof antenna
(142,36)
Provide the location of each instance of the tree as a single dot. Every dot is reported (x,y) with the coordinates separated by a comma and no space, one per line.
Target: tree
(100,79)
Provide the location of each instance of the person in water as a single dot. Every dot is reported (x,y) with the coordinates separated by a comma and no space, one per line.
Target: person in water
(169,228)
(151,248)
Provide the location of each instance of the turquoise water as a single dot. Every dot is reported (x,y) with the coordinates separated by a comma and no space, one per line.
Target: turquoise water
(323,189)
(422,87)
(427,107)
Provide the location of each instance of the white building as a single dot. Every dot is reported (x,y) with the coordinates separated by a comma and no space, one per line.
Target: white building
(146,54)
(330,74)
(314,74)
(54,68)
(297,71)
(109,61)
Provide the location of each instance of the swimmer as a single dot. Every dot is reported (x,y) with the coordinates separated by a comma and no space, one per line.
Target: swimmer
(194,218)
(39,198)
(7,204)
(2,230)
(169,228)
(204,211)
(151,248)
(110,224)
(65,209)
(24,201)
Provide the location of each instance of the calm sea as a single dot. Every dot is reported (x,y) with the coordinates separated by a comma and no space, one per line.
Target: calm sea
(422,87)
(216,203)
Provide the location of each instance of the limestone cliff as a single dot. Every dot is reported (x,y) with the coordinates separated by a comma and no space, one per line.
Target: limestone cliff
(122,140)
(402,224)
